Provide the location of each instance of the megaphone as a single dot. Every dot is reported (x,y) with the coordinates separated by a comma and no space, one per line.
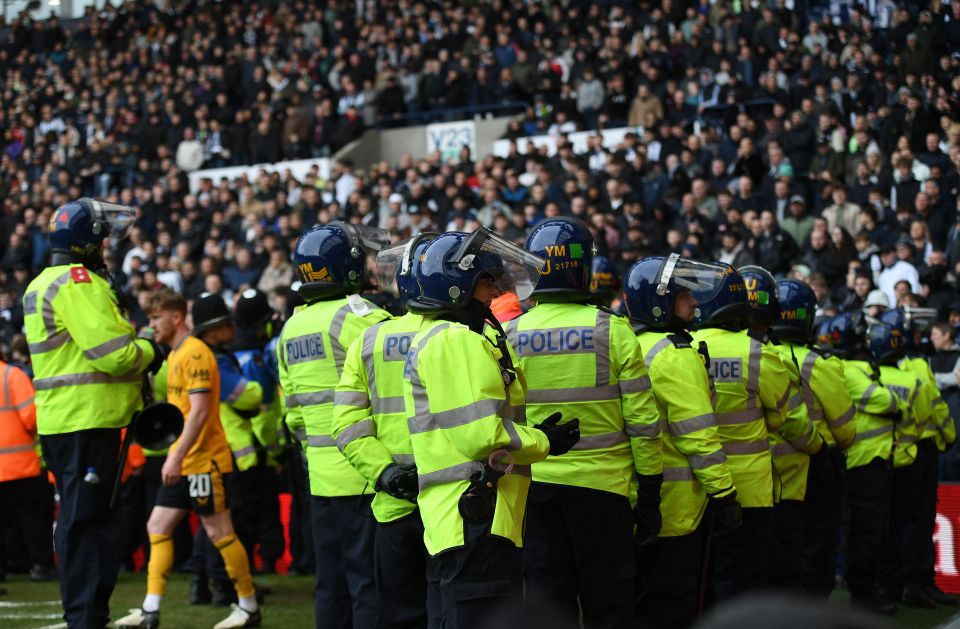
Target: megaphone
(158,426)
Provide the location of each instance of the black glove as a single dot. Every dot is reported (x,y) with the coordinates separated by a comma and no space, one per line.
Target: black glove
(561,437)
(646,514)
(400,481)
(159,355)
(728,512)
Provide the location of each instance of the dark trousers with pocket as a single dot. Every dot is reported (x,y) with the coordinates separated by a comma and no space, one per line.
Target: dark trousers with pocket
(868,507)
(87,529)
(741,558)
(400,570)
(579,547)
(928,458)
(671,578)
(474,582)
(343,538)
(822,519)
(786,554)
(26,505)
(906,528)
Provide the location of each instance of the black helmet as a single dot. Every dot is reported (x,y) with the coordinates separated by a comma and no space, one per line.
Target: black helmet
(209,311)
(252,309)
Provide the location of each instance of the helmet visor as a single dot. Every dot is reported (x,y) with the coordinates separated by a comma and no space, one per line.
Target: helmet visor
(511,268)
(373,239)
(118,217)
(703,279)
(919,319)
(398,260)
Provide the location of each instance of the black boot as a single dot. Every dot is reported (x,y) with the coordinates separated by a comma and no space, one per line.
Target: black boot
(915,596)
(223,594)
(939,596)
(199,592)
(874,602)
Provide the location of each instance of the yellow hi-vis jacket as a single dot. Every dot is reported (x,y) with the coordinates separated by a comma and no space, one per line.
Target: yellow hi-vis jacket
(917,403)
(878,409)
(84,352)
(311,353)
(753,388)
(461,411)
(794,442)
(940,427)
(585,362)
(369,413)
(825,394)
(694,464)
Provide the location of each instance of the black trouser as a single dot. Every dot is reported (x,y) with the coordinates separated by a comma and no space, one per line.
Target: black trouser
(579,547)
(474,581)
(206,563)
(247,502)
(300,523)
(182,537)
(822,519)
(26,506)
(343,534)
(87,529)
(906,528)
(400,564)
(741,558)
(270,530)
(868,505)
(672,579)
(786,552)
(928,458)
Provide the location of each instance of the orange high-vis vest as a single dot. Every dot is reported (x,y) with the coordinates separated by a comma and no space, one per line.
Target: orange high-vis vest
(18,426)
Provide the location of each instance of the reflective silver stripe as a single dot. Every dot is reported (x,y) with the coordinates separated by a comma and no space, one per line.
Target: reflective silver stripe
(795,400)
(384,405)
(336,326)
(46,310)
(421,404)
(237,390)
(404,459)
(753,372)
(138,361)
(946,422)
(605,440)
(937,400)
(740,417)
(601,337)
(58,339)
(458,472)
(107,348)
(454,417)
(782,449)
(45,384)
(815,413)
(358,399)
(783,400)
(865,398)
(844,419)
(13,449)
(6,386)
(699,462)
(317,441)
(576,394)
(692,424)
(901,439)
(242,452)
(635,385)
(643,430)
(893,404)
(749,447)
(677,474)
(366,354)
(24,404)
(876,432)
(310,398)
(300,434)
(356,431)
(658,347)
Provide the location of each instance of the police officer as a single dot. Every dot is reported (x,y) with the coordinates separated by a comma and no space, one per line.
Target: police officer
(604,283)
(255,440)
(584,360)
(464,401)
(868,459)
(84,352)
(696,480)
(330,262)
(370,426)
(830,408)
(791,445)
(753,388)
(936,436)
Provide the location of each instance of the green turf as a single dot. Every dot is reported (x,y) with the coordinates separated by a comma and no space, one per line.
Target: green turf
(289,605)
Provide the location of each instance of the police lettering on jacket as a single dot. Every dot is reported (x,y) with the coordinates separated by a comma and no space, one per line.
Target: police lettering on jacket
(302,349)
(555,341)
(726,369)
(396,346)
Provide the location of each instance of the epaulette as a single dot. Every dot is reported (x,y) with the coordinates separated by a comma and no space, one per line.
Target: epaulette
(680,340)
(819,351)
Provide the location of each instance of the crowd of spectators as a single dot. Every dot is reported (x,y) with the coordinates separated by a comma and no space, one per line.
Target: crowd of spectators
(822,144)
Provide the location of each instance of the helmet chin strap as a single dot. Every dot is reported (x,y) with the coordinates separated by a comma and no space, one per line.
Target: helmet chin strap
(475,315)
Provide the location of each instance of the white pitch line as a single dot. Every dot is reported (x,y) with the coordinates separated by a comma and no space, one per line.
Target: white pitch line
(10,604)
(60,625)
(29,616)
